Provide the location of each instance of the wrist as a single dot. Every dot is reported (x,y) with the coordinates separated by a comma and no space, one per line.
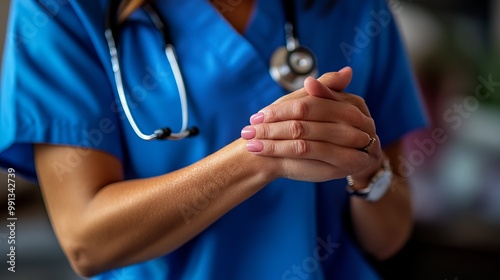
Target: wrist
(377,186)
(363,179)
(265,169)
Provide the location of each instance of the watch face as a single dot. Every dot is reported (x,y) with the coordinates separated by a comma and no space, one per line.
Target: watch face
(380,186)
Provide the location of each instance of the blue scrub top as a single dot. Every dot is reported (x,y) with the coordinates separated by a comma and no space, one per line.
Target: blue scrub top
(57,87)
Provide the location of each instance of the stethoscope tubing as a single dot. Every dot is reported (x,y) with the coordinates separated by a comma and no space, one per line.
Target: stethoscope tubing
(287,66)
(162,133)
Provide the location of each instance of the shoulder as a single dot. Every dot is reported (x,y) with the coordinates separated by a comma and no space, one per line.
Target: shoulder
(34,17)
(58,8)
(52,26)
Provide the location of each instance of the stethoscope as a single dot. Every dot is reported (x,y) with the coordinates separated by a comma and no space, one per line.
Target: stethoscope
(290,65)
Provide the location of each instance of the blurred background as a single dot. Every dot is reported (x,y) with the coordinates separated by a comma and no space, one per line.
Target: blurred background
(453,166)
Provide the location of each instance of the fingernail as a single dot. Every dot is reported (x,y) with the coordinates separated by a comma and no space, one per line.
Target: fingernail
(248,133)
(255,146)
(257,118)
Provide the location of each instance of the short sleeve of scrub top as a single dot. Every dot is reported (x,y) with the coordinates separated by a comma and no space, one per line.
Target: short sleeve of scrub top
(57,88)
(54,88)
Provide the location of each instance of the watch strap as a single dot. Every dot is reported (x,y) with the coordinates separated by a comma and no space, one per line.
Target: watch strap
(384,171)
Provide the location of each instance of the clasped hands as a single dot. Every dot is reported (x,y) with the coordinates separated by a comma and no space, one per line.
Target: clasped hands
(317,133)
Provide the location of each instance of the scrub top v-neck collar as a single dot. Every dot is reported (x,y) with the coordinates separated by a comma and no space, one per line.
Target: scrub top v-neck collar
(246,53)
(223,39)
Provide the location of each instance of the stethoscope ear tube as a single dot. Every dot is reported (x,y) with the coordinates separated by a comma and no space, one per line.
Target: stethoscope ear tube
(111,38)
(119,86)
(181,88)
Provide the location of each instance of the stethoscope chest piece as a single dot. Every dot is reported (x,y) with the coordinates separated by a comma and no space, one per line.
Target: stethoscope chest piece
(290,68)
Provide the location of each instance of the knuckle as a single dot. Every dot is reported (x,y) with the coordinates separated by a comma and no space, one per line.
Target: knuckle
(270,148)
(357,116)
(300,148)
(300,109)
(358,100)
(263,131)
(271,113)
(297,129)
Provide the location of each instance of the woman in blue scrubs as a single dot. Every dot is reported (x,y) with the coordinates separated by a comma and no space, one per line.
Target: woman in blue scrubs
(259,200)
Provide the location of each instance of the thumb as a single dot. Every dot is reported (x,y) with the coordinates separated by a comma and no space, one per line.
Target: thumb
(327,84)
(337,81)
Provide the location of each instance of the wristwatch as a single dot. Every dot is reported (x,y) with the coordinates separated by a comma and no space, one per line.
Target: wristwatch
(377,187)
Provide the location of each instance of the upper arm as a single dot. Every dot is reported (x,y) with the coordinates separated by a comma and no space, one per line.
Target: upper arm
(69,177)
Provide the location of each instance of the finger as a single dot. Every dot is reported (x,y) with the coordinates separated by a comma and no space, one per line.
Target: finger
(315,88)
(336,81)
(351,160)
(335,133)
(293,95)
(320,88)
(355,100)
(318,110)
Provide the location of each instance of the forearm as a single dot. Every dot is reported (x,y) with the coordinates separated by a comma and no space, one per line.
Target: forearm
(142,219)
(383,227)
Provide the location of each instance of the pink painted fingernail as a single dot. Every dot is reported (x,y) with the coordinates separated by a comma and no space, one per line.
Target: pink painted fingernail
(248,133)
(257,118)
(255,146)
